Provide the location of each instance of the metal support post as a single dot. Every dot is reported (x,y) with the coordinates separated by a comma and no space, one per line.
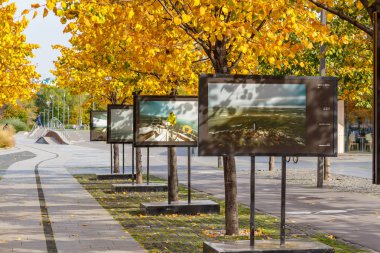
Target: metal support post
(188,176)
(111,159)
(147,165)
(133,165)
(283,200)
(123,160)
(252,206)
(169,200)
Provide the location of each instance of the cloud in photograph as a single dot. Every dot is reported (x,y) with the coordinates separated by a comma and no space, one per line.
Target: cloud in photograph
(257,95)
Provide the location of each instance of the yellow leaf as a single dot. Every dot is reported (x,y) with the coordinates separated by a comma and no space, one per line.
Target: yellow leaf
(131,13)
(225,10)
(59,13)
(345,39)
(359,5)
(177,21)
(302,64)
(46,12)
(185,18)
(202,11)
(219,37)
(50,5)
(244,49)
(271,60)
(35,14)
(196,2)
(24,12)
(63,4)
(329,17)
(35,6)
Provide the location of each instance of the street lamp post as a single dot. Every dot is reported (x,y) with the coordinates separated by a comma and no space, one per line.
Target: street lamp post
(52,106)
(63,113)
(58,107)
(48,118)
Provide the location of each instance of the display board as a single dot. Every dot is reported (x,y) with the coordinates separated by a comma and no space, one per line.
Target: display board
(119,124)
(165,121)
(266,115)
(98,126)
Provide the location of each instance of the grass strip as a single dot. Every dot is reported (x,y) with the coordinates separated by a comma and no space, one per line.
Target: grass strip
(186,233)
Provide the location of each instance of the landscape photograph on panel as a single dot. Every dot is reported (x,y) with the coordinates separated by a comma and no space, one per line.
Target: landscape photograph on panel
(261,116)
(98,126)
(120,124)
(166,121)
(267,115)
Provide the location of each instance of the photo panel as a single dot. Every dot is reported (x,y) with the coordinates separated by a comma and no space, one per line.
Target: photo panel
(119,124)
(264,115)
(98,126)
(165,121)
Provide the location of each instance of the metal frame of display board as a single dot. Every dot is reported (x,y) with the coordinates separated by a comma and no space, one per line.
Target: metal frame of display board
(123,142)
(109,130)
(253,199)
(136,115)
(167,144)
(320,115)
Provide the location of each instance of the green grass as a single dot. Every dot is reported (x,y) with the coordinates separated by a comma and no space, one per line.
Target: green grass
(185,233)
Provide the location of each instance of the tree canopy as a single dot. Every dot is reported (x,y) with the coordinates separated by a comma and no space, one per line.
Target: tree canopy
(17,73)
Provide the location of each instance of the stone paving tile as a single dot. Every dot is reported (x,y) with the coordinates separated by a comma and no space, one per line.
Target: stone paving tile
(20,216)
(78,222)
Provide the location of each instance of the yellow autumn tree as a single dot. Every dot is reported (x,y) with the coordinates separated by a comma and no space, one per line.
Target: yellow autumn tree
(17,73)
(112,55)
(193,36)
(239,36)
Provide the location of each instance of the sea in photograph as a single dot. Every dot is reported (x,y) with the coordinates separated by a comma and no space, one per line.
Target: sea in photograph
(258,127)
(257,114)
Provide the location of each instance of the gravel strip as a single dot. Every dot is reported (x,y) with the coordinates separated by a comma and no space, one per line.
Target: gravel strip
(336,182)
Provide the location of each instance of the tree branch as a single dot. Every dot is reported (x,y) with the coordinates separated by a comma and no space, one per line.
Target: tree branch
(201,60)
(240,57)
(199,41)
(350,20)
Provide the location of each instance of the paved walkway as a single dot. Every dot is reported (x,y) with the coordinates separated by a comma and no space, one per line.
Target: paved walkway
(46,210)
(80,225)
(351,216)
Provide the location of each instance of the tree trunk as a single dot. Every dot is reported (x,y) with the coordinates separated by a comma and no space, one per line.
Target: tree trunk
(218,56)
(220,162)
(271,163)
(230,186)
(173,176)
(327,168)
(115,158)
(139,172)
(320,169)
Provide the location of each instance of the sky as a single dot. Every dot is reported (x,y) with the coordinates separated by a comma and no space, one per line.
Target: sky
(257,95)
(46,32)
